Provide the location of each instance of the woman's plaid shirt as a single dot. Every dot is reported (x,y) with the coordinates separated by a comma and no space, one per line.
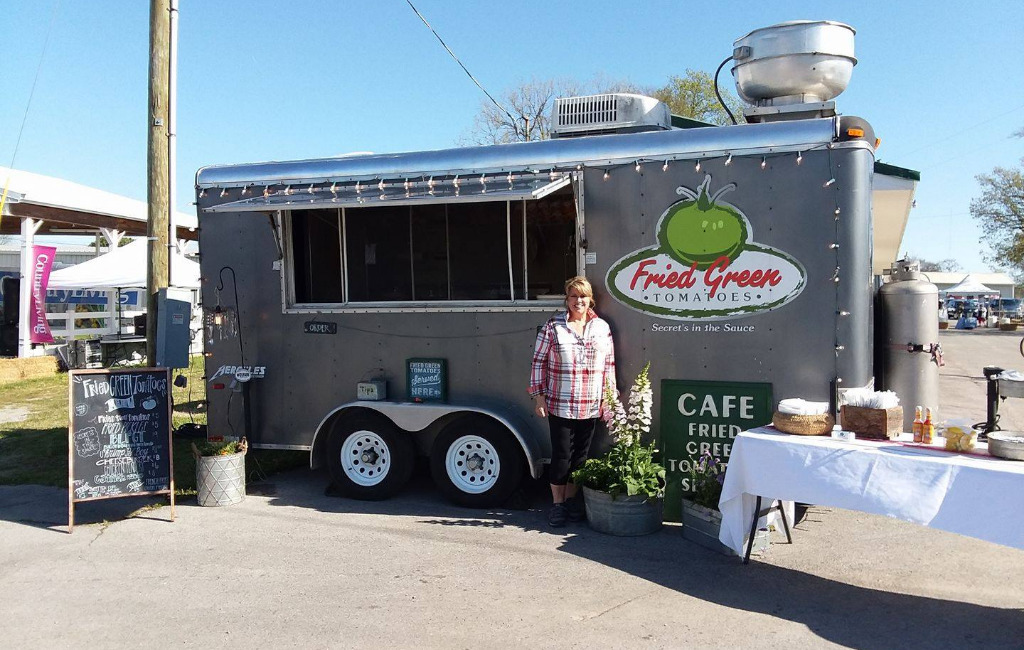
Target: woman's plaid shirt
(570,370)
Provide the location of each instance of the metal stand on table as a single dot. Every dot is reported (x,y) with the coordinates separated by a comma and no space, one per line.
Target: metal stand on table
(758,513)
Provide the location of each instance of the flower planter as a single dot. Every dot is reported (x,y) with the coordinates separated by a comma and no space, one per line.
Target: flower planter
(220,480)
(624,516)
(702,525)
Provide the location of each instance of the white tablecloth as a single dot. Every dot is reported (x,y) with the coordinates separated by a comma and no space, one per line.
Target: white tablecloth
(981,497)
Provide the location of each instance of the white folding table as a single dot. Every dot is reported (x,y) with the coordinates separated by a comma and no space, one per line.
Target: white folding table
(970,494)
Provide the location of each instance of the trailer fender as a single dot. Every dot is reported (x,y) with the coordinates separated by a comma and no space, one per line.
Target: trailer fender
(418,417)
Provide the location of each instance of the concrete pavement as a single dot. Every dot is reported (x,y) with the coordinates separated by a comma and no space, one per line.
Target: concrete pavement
(295,568)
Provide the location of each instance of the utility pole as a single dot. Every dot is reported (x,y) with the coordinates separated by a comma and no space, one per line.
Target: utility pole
(157,167)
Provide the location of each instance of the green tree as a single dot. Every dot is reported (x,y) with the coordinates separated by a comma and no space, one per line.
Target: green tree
(1000,213)
(693,95)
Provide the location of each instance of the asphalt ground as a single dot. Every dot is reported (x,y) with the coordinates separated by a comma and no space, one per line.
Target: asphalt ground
(292,567)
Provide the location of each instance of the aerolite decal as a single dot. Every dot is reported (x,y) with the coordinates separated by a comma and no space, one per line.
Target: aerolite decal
(705,265)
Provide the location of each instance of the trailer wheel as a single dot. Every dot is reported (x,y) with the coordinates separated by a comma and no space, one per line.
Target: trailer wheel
(369,458)
(476,463)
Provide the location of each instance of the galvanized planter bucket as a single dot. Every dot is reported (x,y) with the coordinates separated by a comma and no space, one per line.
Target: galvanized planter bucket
(625,516)
(701,525)
(220,480)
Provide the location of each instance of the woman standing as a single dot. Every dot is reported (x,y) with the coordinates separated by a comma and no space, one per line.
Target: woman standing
(573,360)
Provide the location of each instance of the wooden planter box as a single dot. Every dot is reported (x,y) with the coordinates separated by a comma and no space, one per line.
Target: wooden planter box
(873,423)
(702,525)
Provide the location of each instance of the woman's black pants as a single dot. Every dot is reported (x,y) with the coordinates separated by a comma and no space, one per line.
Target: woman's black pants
(570,443)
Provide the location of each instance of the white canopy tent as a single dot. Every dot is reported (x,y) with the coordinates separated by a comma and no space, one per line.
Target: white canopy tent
(122,268)
(970,286)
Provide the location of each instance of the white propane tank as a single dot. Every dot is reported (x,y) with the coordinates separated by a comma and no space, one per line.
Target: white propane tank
(911,354)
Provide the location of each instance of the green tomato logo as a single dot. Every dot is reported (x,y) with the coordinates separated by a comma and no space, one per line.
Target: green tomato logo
(698,230)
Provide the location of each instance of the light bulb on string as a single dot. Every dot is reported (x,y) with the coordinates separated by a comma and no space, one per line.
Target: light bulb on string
(799,157)
(224,193)
(696,167)
(829,182)
(664,167)
(607,174)
(638,166)
(764,162)
(728,160)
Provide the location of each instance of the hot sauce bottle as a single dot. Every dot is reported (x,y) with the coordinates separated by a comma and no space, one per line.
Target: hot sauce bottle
(928,428)
(918,424)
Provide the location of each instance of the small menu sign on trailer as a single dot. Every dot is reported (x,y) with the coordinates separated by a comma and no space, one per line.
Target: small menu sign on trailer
(119,435)
(426,379)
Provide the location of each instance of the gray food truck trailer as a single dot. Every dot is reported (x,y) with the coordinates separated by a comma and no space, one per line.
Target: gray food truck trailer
(738,253)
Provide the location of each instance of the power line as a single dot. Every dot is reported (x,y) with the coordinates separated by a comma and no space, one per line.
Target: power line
(28,105)
(468,73)
(945,138)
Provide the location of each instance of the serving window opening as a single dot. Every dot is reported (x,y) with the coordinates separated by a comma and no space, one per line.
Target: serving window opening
(489,252)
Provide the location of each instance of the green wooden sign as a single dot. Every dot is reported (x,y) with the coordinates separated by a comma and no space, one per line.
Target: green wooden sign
(426,380)
(699,416)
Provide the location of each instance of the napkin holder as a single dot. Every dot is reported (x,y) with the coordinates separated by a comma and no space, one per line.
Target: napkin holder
(872,423)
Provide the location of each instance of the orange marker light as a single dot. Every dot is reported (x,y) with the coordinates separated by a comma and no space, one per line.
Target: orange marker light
(878,141)
(855,133)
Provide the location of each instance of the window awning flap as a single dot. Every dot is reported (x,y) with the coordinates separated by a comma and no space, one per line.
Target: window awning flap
(510,187)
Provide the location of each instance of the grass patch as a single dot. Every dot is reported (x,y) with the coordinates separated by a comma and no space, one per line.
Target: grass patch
(35,450)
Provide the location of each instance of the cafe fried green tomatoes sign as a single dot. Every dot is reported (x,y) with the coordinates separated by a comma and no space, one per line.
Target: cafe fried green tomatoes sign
(704,417)
(705,265)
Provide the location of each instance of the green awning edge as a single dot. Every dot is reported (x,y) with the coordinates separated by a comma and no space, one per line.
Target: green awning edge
(680,122)
(885,169)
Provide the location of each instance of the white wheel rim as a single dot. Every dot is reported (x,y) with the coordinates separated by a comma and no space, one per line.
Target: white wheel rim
(366,458)
(472,464)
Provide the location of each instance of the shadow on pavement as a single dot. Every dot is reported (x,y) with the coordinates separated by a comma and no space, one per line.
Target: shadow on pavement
(849,615)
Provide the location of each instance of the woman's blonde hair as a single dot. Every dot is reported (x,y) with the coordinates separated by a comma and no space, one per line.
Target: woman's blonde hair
(582,285)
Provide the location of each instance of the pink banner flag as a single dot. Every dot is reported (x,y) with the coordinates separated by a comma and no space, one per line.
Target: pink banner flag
(42,262)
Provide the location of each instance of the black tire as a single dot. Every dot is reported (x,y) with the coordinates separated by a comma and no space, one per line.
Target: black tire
(392,457)
(483,439)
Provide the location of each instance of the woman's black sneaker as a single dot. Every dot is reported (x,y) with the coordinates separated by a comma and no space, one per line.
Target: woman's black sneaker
(558,515)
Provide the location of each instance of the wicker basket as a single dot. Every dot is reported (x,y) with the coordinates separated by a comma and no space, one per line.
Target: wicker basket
(803,425)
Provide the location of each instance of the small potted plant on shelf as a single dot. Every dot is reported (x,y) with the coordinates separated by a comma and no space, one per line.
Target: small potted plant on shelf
(220,472)
(702,521)
(623,490)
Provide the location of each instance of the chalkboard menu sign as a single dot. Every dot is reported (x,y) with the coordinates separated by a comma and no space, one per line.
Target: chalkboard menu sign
(119,435)
(427,380)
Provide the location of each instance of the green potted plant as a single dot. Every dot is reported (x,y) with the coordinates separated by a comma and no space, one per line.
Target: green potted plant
(702,521)
(623,490)
(220,472)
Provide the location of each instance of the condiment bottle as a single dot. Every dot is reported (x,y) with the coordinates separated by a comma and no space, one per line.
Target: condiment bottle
(928,428)
(918,424)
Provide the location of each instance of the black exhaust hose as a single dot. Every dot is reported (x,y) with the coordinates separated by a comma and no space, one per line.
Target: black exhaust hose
(719,95)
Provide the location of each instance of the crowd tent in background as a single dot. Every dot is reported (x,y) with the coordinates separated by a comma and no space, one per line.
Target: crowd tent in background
(38,206)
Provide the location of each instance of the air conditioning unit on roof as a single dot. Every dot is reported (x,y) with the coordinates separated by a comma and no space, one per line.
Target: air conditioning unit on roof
(608,113)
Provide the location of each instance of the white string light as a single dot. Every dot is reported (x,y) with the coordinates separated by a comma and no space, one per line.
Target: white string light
(764,162)
(728,160)
(799,157)
(829,182)
(224,193)
(288,190)
(638,166)
(607,174)
(664,167)
(696,167)
(359,188)
(310,190)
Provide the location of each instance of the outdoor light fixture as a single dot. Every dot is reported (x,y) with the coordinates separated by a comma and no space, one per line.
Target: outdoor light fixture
(764,162)
(799,157)
(728,160)
(607,175)
(696,167)
(218,316)
(664,167)
(638,166)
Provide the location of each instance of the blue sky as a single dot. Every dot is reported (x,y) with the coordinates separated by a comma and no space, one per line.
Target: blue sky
(263,80)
